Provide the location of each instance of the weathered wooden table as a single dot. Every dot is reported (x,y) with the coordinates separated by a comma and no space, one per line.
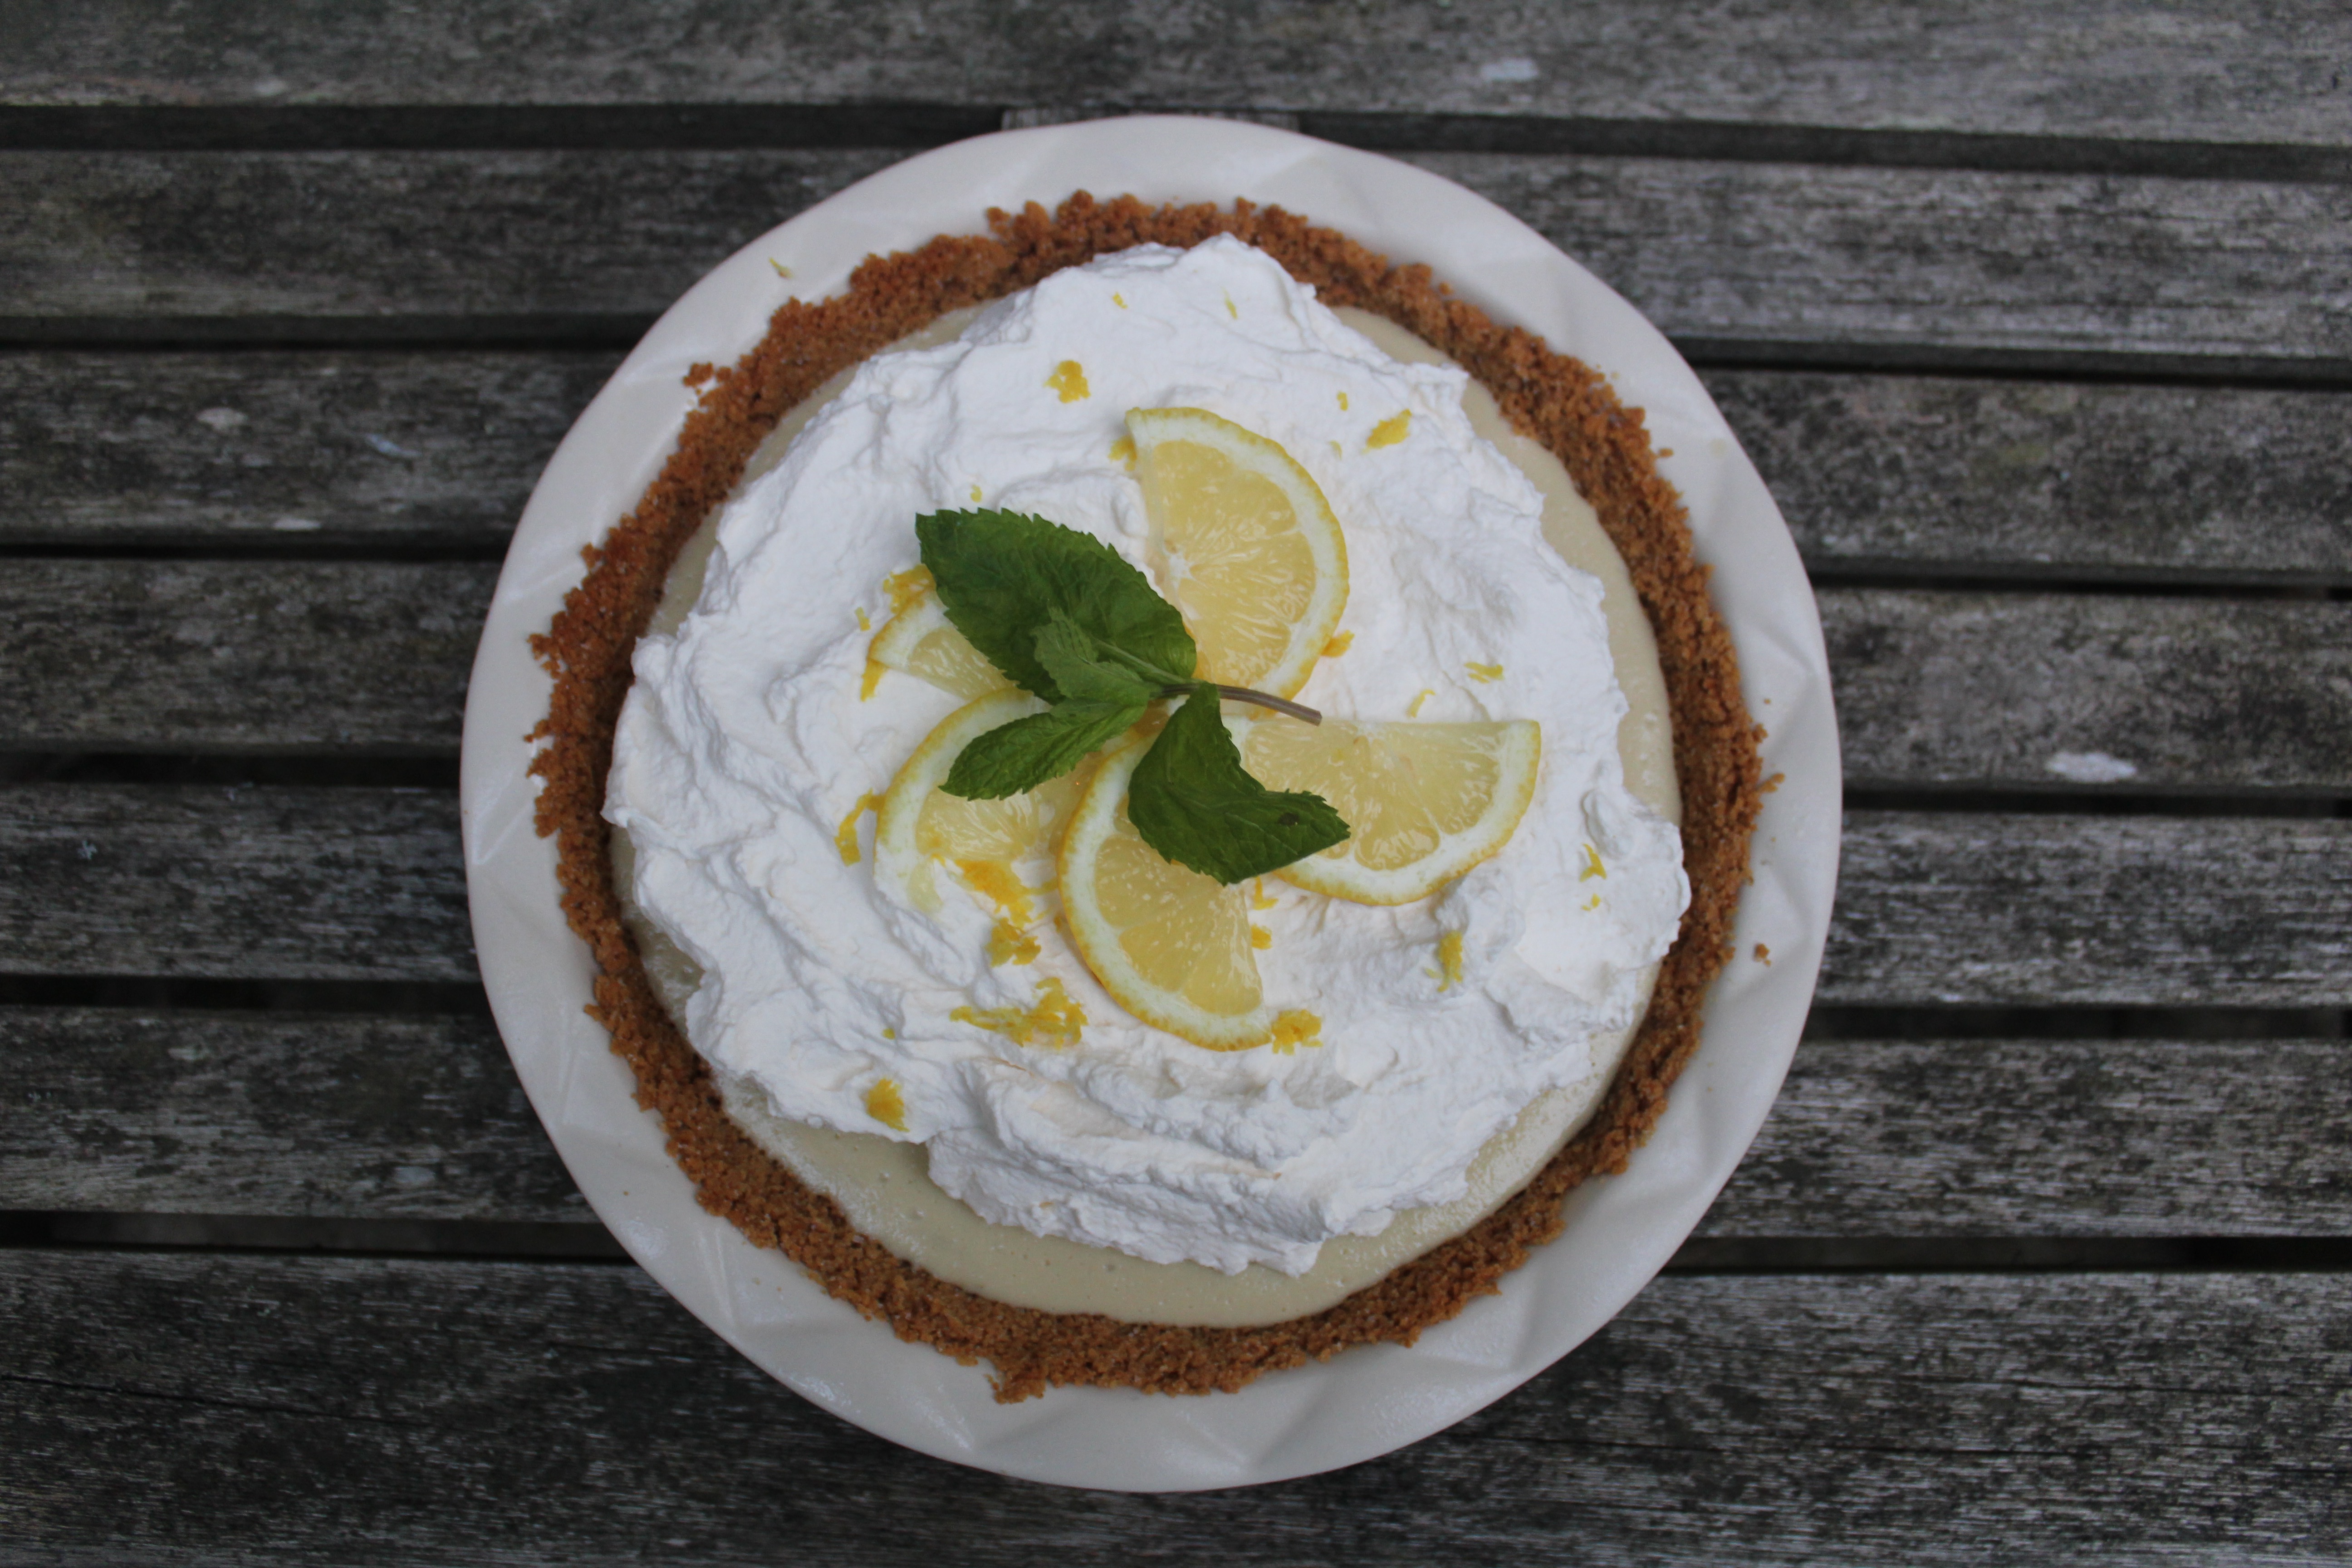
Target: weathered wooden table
(2040,328)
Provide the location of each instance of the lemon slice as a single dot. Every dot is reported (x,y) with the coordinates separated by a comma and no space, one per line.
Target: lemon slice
(1248,545)
(988,844)
(919,641)
(1171,946)
(1426,801)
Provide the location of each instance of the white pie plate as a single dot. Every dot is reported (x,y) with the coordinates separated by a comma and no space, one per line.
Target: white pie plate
(1620,1230)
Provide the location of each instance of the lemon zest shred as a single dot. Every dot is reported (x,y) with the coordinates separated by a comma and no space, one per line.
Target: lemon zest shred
(1592,866)
(865,622)
(1295,1028)
(1449,959)
(1338,450)
(1389,432)
(1008,943)
(1069,379)
(781,270)
(995,880)
(1593,903)
(1119,300)
(845,838)
(1340,643)
(1261,938)
(975,495)
(1485,672)
(1343,403)
(905,587)
(889,1034)
(1123,449)
(1231,309)
(1054,1019)
(1259,897)
(887,1105)
(1413,708)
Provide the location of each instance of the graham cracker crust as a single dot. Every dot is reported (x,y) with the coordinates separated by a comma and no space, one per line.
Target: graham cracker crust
(1558,400)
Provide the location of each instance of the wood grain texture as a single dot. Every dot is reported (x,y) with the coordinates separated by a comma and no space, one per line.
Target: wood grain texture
(2170,71)
(409,451)
(1920,261)
(243,655)
(1921,475)
(1881,1138)
(421,1117)
(1973,689)
(1925,474)
(290,883)
(1958,908)
(467,240)
(1928,259)
(287,883)
(1933,688)
(422,1411)
(270,1114)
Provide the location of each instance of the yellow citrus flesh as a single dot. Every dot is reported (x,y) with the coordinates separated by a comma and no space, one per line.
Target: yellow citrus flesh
(1425,802)
(918,641)
(1252,555)
(985,842)
(1171,946)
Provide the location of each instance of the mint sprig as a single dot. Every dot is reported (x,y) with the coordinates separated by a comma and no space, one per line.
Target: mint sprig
(1003,576)
(1067,619)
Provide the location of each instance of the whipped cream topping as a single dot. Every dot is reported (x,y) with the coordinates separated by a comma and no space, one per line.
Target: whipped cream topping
(746,744)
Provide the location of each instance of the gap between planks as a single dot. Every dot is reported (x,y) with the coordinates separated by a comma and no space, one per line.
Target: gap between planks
(816,126)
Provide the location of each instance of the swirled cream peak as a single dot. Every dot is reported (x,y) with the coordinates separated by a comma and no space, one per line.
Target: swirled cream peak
(747,739)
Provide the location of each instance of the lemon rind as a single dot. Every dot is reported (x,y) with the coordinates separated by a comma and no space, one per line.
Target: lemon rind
(1326,542)
(894,646)
(1521,758)
(898,859)
(1097,942)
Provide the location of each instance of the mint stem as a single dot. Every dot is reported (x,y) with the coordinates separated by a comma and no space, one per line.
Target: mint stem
(1263,699)
(1173,686)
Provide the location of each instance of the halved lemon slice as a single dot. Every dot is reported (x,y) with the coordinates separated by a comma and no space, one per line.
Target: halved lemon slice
(1171,946)
(1247,544)
(1426,801)
(995,848)
(918,640)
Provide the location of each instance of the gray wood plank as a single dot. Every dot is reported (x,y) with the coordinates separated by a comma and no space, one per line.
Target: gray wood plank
(1923,475)
(1883,1138)
(1920,475)
(284,883)
(2170,71)
(234,1113)
(493,242)
(362,884)
(2136,693)
(1730,258)
(2023,691)
(1958,907)
(218,1113)
(242,655)
(254,1408)
(1733,257)
(395,450)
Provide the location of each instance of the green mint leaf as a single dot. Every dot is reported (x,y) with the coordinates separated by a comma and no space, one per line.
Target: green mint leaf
(1192,800)
(1075,663)
(1001,576)
(1014,758)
